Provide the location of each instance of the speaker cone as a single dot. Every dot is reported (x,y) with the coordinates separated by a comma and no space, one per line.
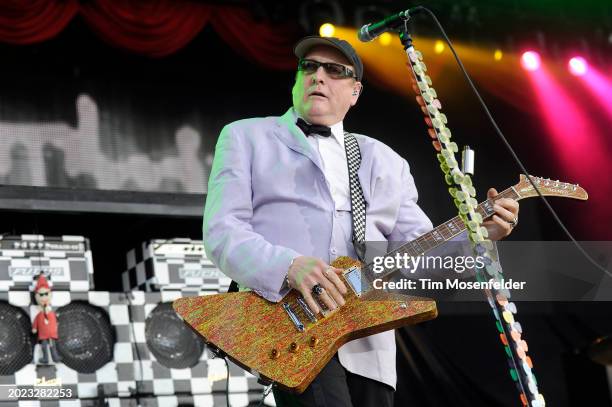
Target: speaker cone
(86,336)
(170,340)
(16,340)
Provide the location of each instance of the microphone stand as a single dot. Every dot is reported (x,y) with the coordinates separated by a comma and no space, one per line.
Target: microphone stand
(463,193)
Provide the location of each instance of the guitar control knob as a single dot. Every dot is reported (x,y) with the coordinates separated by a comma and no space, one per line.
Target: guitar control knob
(294,347)
(313,341)
(274,354)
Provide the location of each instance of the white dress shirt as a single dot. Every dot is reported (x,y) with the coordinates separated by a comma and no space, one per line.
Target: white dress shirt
(356,356)
(335,166)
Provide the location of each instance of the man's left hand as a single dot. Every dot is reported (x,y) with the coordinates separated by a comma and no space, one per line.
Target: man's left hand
(505,217)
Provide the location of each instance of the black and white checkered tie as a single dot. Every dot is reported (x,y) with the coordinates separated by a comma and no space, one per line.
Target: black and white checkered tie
(358,204)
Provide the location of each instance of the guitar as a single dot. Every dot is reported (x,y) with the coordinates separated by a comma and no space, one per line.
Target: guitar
(286,343)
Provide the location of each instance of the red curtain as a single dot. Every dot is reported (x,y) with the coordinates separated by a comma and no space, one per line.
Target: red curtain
(30,21)
(154,28)
(269,46)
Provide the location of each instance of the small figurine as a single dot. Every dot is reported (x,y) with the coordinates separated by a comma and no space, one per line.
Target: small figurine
(45,323)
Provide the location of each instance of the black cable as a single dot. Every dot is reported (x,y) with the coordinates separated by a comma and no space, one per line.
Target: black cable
(227,383)
(507,144)
(265,393)
(128,295)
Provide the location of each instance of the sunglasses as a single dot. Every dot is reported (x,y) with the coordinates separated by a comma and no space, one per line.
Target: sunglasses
(42,294)
(334,70)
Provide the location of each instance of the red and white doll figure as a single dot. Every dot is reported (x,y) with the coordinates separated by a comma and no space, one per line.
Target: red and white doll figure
(45,323)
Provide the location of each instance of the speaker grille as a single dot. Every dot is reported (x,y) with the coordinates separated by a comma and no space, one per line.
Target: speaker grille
(16,339)
(170,340)
(86,337)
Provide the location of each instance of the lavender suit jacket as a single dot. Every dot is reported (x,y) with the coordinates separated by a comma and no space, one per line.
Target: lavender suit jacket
(268,202)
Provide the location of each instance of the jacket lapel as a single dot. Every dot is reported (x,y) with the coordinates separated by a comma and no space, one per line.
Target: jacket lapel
(292,137)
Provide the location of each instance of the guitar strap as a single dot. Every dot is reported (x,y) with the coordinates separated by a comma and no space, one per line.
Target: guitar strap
(358,204)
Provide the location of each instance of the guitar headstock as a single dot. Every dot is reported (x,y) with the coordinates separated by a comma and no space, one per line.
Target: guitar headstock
(549,188)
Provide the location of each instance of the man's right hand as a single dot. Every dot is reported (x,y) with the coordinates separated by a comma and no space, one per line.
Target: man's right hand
(305,272)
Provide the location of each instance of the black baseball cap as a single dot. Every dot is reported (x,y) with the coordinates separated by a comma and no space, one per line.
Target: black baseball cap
(305,44)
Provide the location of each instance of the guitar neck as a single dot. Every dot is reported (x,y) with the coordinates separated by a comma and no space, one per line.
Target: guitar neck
(439,235)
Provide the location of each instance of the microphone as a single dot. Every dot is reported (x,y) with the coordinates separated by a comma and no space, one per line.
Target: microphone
(370,31)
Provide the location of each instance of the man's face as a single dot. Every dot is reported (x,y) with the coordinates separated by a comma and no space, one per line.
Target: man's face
(319,98)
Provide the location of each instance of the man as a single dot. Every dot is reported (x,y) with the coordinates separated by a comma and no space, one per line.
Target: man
(278,212)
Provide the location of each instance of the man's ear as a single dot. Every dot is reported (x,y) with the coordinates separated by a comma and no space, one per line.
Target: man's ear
(357,89)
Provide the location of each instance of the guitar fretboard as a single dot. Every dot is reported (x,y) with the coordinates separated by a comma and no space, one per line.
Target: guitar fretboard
(437,236)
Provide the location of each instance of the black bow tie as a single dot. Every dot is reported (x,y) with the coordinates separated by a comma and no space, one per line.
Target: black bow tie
(310,129)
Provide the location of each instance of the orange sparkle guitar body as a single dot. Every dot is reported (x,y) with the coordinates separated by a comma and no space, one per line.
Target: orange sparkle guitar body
(257,334)
(282,343)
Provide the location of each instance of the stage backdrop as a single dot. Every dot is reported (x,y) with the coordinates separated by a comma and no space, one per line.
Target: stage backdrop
(75,112)
(99,151)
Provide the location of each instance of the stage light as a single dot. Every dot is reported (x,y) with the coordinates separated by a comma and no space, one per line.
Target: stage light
(578,66)
(498,55)
(439,47)
(531,60)
(327,30)
(385,39)
(600,85)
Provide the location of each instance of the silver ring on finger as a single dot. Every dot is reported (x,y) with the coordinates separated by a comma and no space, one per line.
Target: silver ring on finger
(514,222)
